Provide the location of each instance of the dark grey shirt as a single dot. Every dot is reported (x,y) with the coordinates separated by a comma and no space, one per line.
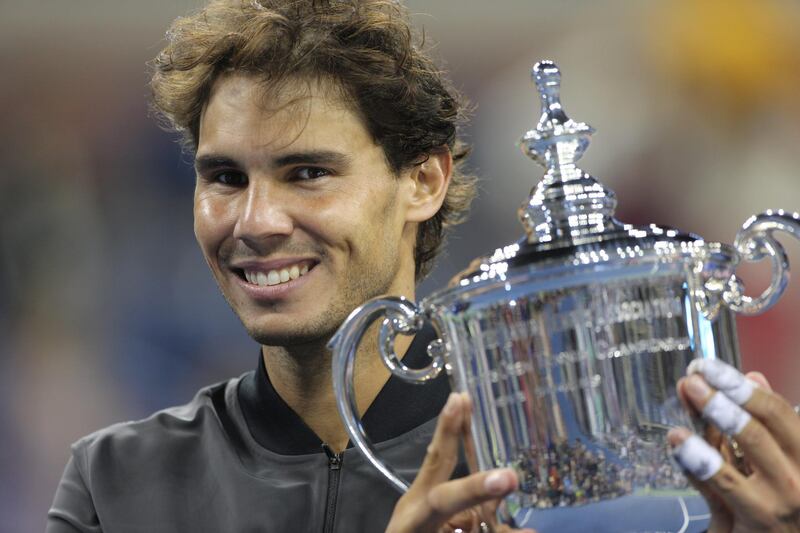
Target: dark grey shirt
(237,458)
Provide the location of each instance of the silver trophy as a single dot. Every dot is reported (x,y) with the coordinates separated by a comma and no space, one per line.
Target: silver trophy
(570,341)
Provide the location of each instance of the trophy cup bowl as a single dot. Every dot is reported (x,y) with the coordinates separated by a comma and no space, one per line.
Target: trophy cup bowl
(570,341)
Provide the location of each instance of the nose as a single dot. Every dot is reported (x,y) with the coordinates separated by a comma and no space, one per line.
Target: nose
(264,212)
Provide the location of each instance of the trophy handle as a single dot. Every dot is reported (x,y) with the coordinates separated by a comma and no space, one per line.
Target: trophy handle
(754,242)
(401,316)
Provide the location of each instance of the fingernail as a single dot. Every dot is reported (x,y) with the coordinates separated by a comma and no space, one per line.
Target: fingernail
(695,367)
(498,482)
(759,379)
(465,399)
(450,406)
(697,389)
(676,436)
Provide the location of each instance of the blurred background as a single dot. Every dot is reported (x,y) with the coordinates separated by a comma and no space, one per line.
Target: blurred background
(107,311)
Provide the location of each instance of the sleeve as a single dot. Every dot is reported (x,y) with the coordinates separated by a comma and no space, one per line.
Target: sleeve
(73,508)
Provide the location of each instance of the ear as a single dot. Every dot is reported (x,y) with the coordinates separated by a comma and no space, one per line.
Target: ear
(428,183)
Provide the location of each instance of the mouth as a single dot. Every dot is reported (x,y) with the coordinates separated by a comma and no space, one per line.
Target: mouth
(277,275)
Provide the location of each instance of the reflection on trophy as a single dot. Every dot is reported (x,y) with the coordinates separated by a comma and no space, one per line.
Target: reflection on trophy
(571,340)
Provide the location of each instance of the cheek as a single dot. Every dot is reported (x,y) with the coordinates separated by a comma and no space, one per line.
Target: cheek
(211,223)
(376,219)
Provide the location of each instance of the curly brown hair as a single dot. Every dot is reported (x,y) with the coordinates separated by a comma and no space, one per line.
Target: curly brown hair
(366,47)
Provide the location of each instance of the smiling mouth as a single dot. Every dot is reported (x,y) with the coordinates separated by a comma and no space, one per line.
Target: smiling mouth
(264,278)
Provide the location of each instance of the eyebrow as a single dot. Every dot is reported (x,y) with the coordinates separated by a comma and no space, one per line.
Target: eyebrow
(210,162)
(318,157)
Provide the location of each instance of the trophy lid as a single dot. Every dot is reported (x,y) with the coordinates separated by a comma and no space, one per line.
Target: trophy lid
(569,216)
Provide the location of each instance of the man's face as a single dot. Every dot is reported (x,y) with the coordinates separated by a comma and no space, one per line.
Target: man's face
(296,211)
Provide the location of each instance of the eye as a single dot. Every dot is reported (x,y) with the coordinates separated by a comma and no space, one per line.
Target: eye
(309,173)
(230,178)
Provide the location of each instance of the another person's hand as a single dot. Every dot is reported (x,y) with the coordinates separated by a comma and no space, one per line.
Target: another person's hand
(756,489)
(436,504)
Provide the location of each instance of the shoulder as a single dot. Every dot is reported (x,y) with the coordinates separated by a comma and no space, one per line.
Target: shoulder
(167,437)
(138,472)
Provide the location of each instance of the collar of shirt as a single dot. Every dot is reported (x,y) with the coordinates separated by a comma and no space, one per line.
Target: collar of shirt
(398,408)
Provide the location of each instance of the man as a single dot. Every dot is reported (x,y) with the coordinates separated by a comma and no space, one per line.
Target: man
(327,170)
(327,161)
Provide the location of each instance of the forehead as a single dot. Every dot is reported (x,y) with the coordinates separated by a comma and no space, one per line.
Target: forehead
(243,111)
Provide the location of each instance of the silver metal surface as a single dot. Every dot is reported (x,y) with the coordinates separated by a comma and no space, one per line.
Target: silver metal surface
(571,340)
(575,387)
(568,205)
(401,317)
(755,241)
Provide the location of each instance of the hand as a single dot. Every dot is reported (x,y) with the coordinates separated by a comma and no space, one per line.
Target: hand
(434,503)
(763,494)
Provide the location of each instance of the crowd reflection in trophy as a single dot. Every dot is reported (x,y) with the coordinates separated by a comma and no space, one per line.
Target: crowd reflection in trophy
(575,473)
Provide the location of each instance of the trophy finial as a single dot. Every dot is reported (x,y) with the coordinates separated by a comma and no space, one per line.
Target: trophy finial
(558,141)
(547,78)
(568,205)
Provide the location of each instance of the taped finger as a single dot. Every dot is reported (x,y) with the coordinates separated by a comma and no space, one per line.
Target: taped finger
(711,475)
(714,406)
(725,414)
(724,378)
(768,408)
(721,517)
(758,444)
(697,457)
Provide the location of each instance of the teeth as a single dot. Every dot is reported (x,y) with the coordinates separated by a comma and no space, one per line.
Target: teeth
(275,277)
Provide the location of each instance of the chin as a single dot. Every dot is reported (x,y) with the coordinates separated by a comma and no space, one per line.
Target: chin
(276,326)
(292,336)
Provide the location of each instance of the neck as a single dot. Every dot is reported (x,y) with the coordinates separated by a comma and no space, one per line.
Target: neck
(302,376)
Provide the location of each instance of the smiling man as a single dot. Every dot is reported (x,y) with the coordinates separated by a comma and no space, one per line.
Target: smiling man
(327,161)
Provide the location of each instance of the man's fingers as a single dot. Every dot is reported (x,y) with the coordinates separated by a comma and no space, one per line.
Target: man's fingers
(779,418)
(433,500)
(754,394)
(447,499)
(442,455)
(755,440)
(696,456)
(715,407)
(721,517)
(709,472)
(724,378)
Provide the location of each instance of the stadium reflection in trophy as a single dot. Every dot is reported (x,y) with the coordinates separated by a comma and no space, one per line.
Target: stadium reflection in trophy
(571,340)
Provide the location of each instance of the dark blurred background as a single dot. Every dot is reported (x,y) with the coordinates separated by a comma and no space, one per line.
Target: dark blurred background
(107,311)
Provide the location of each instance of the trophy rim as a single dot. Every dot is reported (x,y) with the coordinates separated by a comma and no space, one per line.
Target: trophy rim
(635,247)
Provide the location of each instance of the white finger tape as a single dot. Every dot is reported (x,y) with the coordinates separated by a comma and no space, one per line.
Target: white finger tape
(726,415)
(698,458)
(723,377)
